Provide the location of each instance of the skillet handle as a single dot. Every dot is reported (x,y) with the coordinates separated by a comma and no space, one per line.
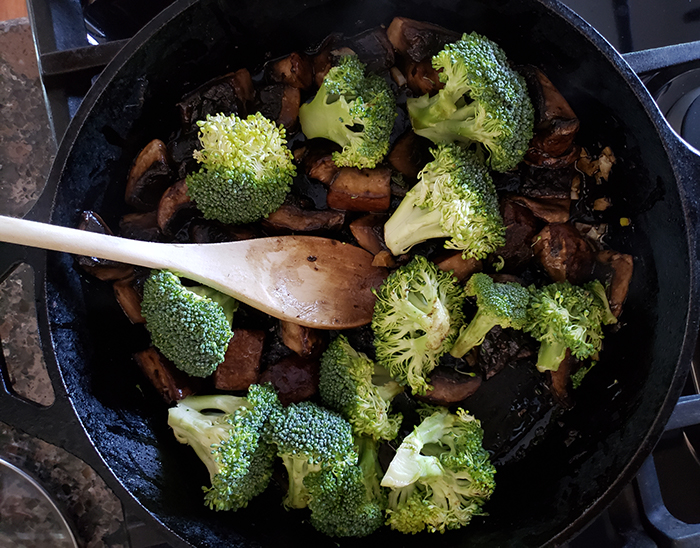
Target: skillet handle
(56,423)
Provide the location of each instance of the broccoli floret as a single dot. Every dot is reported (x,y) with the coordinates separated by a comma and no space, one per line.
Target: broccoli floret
(565,316)
(484,102)
(417,316)
(441,475)
(246,171)
(309,438)
(348,503)
(190,329)
(503,304)
(360,390)
(354,109)
(227,434)
(454,198)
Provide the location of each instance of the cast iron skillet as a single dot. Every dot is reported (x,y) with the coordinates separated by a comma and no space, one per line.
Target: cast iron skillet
(569,475)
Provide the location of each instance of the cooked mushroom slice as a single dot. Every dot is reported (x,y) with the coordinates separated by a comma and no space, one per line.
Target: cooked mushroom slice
(296,70)
(369,232)
(291,217)
(460,267)
(556,124)
(103,269)
(449,386)
(502,347)
(622,266)
(373,48)
(230,93)
(521,228)
(289,108)
(205,231)
(317,160)
(175,208)
(418,40)
(280,102)
(409,154)
(361,189)
(305,341)
(241,365)
(538,182)
(129,293)
(149,176)
(171,383)
(422,78)
(384,259)
(140,226)
(564,253)
(295,378)
(550,209)
(559,382)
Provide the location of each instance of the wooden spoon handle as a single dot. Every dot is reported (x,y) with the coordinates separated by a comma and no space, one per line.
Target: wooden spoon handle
(83,242)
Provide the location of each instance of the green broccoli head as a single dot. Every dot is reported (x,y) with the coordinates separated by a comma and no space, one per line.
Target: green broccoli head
(355,110)
(349,502)
(191,330)
(441,475)
(564,316)
(417,316)
(503,304)
(454,198)
(309,438)
(228,435)
(247,168)
(484,102)
(354,386)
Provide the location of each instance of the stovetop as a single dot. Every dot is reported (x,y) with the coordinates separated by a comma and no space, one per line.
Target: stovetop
(661,507)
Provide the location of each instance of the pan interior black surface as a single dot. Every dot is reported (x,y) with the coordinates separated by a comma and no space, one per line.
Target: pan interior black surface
(586,453)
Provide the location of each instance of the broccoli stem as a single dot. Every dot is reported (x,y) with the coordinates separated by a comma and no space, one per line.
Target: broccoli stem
(410,225)
(550,355)
(473,334)
(328,120)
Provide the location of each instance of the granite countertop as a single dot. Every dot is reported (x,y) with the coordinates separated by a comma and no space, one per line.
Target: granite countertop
(26,150)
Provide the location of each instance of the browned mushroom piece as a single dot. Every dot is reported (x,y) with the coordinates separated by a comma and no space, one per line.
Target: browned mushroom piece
(175,208)
(501,348)
(564,253)
(356,189)
(622,266)
(103,269)
(538,182)
(448,386)
(422,78)
(296,70)
(384,259)
(206,231)
(559,382)
(549,209)
(521,227)
(461,268)
(292,218)
(232,93)
(372,47)
(289,109)
(295,378)
(556,124)
(241,365)
(369,232)
(409,154)
(149,176)
(140,226)
(171,383)
(316,160)
(418,40)
(322,63)
(129,293)
(307,342)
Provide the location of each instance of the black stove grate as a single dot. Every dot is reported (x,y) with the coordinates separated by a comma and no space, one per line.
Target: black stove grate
(74,42)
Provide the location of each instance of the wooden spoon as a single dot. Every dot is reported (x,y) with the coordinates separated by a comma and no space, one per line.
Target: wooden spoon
(311,281)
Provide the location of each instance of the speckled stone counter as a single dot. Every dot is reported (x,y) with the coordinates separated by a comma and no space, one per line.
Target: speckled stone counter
(26,149)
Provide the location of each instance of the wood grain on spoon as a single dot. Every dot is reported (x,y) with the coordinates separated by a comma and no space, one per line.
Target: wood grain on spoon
(312,281)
